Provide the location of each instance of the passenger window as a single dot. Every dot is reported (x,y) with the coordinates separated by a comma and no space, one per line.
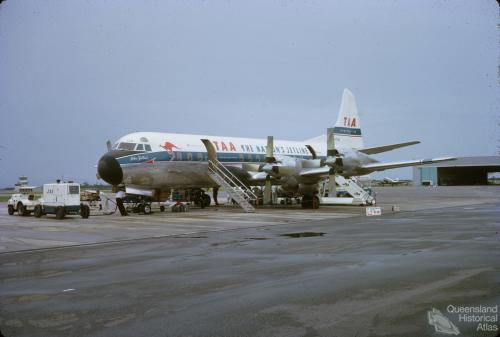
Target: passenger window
(148,147)
(140,147)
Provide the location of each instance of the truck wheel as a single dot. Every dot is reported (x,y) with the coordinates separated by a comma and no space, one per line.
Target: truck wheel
(10,210)
(140,208)
(60,213)
(84,211)
(38,211)
(21,210)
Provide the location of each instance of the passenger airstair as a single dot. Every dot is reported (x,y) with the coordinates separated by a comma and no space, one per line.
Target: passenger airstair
(233,186)
(353,187)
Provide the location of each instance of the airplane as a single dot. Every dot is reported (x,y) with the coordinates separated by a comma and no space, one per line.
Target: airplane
(154,163)
(394,182)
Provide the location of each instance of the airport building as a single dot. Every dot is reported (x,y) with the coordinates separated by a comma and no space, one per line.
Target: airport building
(463,171)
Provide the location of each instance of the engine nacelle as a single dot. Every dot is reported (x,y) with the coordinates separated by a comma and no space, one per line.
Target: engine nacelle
(308,189)
(291,185)
(348,166)
(347,162)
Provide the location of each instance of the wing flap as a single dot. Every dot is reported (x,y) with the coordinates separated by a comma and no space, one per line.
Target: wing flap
(385,148)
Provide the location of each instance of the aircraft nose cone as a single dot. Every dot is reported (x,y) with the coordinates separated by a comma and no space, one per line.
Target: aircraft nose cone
(109,170)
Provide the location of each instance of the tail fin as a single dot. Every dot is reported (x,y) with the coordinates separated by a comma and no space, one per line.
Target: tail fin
(347,130)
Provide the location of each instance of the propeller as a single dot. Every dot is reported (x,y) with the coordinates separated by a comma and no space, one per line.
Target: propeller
(268,167)
(333,156)
(108,145)
(333,159)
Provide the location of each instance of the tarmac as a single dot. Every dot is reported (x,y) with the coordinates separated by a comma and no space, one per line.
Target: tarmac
(222,272)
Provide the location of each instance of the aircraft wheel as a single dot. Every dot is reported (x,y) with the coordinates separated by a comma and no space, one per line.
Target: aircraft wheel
(146,208)
(60,213)
(205,199)
(162,208)
(84,211)
(38,211)
(10,210)
(306,201)
(315,202)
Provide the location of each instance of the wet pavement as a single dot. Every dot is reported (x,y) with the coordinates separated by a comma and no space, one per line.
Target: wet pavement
(346,275)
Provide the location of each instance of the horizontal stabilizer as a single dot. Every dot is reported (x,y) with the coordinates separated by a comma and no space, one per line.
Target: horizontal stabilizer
(385,148)
(386,166)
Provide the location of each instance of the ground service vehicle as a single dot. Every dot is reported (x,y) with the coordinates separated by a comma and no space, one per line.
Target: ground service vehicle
(22,202)
(61,199)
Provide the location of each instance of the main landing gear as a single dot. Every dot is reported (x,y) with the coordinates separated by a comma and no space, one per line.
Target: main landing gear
(202,199)
(310,201)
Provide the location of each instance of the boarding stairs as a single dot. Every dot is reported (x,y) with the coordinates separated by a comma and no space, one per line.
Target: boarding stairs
(353,187)
(233,186)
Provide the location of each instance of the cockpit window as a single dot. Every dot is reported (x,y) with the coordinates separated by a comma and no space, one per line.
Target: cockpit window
(126,146)
(148,147)
(140,147)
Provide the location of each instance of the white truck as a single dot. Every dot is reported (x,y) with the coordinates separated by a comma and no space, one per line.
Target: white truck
(61,199)
(22,202)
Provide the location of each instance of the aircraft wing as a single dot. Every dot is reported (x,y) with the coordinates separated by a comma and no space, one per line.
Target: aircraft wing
(367,168)
(316,172)
(391,165)
(385,148)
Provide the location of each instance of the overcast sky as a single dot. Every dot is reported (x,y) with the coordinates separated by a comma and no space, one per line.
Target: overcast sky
(76,73)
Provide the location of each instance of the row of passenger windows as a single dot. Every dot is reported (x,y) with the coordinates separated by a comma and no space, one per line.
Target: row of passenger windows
(199,156)
(133,147)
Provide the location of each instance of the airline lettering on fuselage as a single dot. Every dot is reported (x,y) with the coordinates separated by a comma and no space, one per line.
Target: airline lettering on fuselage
(223,146)
(350,122)
(226,146)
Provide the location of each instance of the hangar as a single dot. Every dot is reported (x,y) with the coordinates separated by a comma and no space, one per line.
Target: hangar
(463,171)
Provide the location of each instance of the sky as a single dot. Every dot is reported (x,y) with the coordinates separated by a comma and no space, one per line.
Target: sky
(74,74)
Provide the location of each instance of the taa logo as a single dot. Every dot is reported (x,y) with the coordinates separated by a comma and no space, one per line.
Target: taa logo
(169,147)
(350,122)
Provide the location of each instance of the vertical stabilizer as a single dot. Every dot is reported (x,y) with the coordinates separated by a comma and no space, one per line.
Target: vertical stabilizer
(347,130)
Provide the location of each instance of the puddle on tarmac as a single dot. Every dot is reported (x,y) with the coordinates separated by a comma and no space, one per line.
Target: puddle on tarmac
(189,237)
(303,234)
